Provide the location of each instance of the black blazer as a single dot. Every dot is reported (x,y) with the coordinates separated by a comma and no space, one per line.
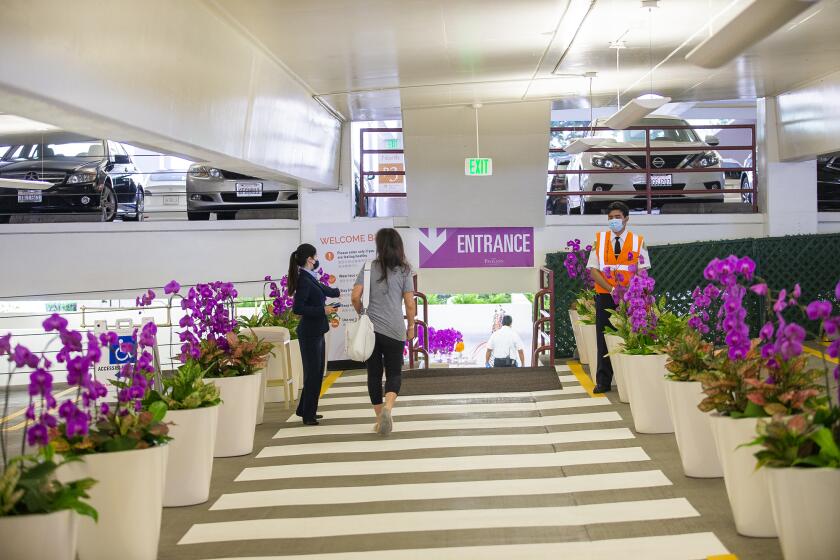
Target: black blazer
(309,300)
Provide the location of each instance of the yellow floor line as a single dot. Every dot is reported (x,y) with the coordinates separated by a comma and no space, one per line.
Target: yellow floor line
(329,381)
(722,557)
(819,354)
(22,411)
(583,378)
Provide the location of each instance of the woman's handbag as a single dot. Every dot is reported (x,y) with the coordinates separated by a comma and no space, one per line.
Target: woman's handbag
(359,337)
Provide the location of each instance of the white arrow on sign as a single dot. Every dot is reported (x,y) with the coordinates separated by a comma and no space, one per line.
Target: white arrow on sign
(434,240)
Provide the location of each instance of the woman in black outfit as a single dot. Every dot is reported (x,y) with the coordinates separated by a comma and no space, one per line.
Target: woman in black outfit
(309,302)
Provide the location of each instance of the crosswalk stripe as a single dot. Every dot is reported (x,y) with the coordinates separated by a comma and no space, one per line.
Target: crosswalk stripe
(688,546)
(326,429)
(448,520)
(362,397)
(445,464)
(460,408)
(442,490)
(362,378)
(444,442)
(362,389)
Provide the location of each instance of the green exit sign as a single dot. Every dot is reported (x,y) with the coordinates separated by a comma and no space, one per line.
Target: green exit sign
(478,167)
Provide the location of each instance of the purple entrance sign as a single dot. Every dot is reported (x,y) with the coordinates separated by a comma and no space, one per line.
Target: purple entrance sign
(477,247)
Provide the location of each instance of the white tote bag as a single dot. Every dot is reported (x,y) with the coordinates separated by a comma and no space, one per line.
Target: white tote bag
(359,337)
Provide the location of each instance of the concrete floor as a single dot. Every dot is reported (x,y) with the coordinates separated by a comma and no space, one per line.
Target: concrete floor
(520,497)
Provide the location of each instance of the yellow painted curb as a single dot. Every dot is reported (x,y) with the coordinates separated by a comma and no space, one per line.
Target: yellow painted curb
(584,380)
(327,383)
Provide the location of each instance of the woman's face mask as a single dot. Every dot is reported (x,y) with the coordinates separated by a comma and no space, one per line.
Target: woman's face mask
(616,224)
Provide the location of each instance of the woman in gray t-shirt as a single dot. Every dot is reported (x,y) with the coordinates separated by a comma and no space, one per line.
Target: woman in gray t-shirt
(391,286)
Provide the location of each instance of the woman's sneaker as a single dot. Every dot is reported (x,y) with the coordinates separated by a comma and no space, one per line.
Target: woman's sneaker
(386,423)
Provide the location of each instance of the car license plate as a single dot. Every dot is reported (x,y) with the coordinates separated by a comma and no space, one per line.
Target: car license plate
(249,189)
(661,181)
(170,200)
(27,195)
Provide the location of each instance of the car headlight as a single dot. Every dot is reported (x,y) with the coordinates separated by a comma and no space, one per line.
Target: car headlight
(707,159)
(204,172)
(82,177)
(606,162)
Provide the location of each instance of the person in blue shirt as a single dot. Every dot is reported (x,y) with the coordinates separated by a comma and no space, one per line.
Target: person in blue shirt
(310,297)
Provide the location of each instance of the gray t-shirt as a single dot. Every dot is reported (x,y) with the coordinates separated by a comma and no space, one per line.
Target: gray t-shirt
(386,299)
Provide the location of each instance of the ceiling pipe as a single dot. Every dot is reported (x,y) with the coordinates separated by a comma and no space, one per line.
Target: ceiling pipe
(757,21)
(635,110)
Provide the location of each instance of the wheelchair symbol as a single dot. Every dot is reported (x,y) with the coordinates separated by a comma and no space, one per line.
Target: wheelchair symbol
(118,354)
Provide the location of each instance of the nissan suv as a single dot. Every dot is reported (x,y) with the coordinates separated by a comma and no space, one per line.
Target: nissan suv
(87,175)
(630,188)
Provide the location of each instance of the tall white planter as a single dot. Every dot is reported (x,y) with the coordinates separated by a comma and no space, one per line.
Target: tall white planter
(275,370)
(645,380)
(237,414)
(129,499)
(746,487)
(297,366)
(579,342)
(261,388)
(806,507)
(190,465)
(614,344)
(692,429)
(35,537)
(590,341)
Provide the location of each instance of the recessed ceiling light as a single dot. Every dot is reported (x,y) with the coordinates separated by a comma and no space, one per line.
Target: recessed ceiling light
(650,4)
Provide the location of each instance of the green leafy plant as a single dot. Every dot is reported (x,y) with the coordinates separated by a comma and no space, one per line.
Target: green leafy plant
(28,486)
(185,389)
(689,356)
(243,354)
(116,432)
(668,326)
(725,386)
(585,306)
(803,440)
(266,318)
(473,299)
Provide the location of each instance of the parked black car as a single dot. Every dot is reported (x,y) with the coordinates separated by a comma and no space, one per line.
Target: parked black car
(88,176)
(828,182)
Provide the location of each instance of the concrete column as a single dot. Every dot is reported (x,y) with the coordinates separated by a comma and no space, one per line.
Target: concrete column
(787,189)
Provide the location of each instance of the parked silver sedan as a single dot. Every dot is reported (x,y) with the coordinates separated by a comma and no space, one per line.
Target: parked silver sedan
(213,190)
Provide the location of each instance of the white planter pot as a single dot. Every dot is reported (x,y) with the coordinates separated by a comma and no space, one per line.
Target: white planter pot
(579,342)
(745,486)
(237,414)
(614,344)
(261,387)
(644,377)
(692,429)
(129,498)
(275,370)
(190,464)
(590,341)
(297,366)
(806,507)
(35,537)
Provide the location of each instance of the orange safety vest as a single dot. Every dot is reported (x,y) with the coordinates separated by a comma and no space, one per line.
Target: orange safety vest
(617,265)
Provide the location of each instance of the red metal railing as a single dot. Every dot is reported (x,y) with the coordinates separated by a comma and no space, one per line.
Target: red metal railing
(543,335)
(648,170)
(415,352)
(363,194)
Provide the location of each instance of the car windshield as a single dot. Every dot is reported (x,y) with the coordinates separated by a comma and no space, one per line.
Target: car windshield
(656,135)
(84,149)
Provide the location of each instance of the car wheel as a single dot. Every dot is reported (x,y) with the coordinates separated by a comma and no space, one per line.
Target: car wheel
(746,197)
(139,207)
(109,204)
(226,215)
(198,216)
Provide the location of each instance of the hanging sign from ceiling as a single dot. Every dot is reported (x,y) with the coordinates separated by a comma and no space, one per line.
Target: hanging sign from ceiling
(478,167)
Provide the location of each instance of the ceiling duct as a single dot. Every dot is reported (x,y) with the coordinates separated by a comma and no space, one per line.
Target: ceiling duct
(754,23)
(636,110)
(582,144)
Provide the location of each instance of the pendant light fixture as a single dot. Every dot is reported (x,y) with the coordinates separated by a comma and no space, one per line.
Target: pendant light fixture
(582,144)
(758,20)
(643,105)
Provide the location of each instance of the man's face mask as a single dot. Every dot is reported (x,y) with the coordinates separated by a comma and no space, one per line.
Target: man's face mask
(616,224)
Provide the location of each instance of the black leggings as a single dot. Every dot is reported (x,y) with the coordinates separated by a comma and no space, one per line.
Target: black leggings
(387,354)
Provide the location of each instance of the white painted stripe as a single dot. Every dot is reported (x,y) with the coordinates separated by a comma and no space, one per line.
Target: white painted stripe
(443,442)
(422,521)
(690,546)
(351,379)
(442,490)
(562,367)
(445,464)
(457,408)
(326,429)
(363,398)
